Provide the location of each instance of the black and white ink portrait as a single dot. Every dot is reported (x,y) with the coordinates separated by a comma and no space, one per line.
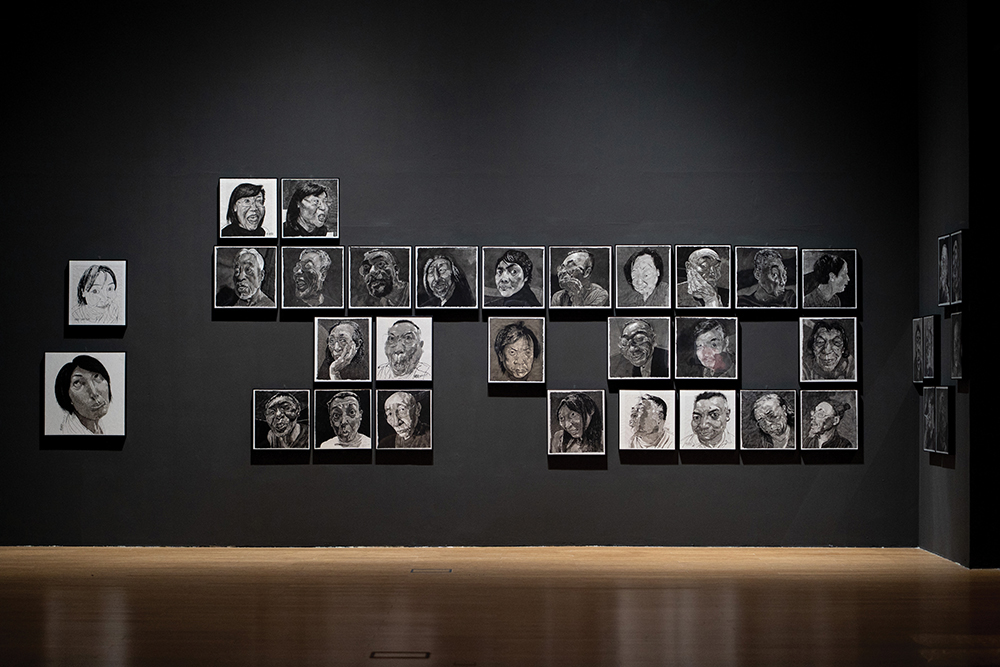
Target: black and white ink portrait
(84,393)
(944,270)
(767,419)
(956,346)
(580,277)
(312,277)
(513,277)
(956,268)
(930,342)
(829,419)
(576,422)
(828,349)
(707,419)
(404,348)
(517,349)
(928,414)
(380,277)
(343,349)
(643,276)
(245,277)
(311,206)
(97,292)
(941,422)
(404,419)
(766,277)
(706,347)
(281,419)
(248,207)
(646,419)
(918,349)
(828,278)
(638,347)
(343,419)
(447,277)
(703,276)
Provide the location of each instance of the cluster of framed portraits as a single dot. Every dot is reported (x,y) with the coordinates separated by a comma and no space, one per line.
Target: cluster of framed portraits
(691,419)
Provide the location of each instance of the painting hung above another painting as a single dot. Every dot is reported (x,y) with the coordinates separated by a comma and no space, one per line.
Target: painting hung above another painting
(248,208)
(97,293)
(705,348)
(513,277)
(580,277)
(638,347)
(379,277)
(312,277)
(245,277)
(447,277)
(703,276)
(828,349)
(829,278)
(642,274)
(342,347)
(311,207)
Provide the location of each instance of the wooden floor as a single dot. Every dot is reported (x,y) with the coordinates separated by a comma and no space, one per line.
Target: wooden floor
(494,606)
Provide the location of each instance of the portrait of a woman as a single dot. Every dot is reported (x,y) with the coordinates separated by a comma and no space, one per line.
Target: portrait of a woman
(580,422)
(518,351)
(95,298)
(83,391)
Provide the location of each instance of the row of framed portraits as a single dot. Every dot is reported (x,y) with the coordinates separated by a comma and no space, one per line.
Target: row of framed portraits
(935,422)
(950,287)
(767,420)
(249,208)
(715,277)
(925,344)
(704,348)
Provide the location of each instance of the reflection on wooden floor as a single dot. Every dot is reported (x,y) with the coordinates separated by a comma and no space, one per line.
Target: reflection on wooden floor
(495,606)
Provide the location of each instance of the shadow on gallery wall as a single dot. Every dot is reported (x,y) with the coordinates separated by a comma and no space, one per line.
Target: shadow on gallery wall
(309,315)
(244,314)
(453,315)
(342,456)
(279,457)
(660,457)
(703,457)
(516,390)
(404,457)
(754,457)
(93,332)
(578,462)
(96,443)
(833,456)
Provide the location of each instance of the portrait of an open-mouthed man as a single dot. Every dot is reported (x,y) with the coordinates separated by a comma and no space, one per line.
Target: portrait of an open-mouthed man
(312,277)
(281,419)
(379,277)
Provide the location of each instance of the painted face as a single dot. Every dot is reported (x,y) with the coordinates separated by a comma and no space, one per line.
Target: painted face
(89,393)
(519,356)
(574,267)
(839,282)
(401,411)
(644,274)
(636,343)
(710,348)
(707,266)
(828,348)
(572,422)
(246,276)
(313,210)
(379,275)
(307,276)
(509,278)
(250,211)
(771,418)
(709,419)
(823,418)
(773,277)
(280,414)
(439,277)
(341,336)
(956,267)
(102,292)
(645,417)
(403,347)
(345,418)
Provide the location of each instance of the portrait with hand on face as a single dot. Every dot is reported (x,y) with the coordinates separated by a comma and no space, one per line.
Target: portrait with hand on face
(404,419)
(707,419)
(829,419)
(766,277)
(706,347)
(828,278)
(281,419)
(638,347)
(379,277)
(447,276)
(343,419)
(96,292)
(84,393)
(646,419)
(643,276)
(245,277)
(404,350)
(767,419)
(517,349)
(312,277)
(576,422)
(580,276)
(247,207)
(828,349)
(513,277)
(311,207)
(703,276)
(342,349)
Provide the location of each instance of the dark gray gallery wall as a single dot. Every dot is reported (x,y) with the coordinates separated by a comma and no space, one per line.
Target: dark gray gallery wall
(471,123)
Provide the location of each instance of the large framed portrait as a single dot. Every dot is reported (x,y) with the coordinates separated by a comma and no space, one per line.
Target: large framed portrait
(956,267)
(646,419)
(342,349)
(829,419)
(281,419)
(513,277)
(517,349)
(403,349)
(638,348)
(930,344)
(828,349)
(706,348)
(707,419)
(248,208)
(447,276)
(956,346)
(918,349)
(84,393)
(404,419)
(944,270)
(642,274)
(928,418)
(97,292)
(576,422)
(829,278)
(310,208)
(245,277)
(580,276)
(703,276)
(379,276)
(767,276)
(767,419)
(942,422)
(343,419)
(312,277)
